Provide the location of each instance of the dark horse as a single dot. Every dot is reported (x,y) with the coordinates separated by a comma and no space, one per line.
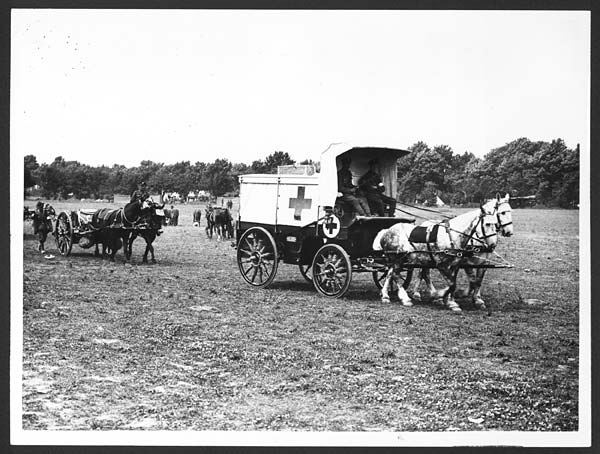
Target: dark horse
(210,221)
(42,223)
(115,225)
(197,216)
(148,228)
(222,223)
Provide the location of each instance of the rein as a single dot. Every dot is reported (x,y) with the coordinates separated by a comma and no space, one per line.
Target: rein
(421,208)
(499,224)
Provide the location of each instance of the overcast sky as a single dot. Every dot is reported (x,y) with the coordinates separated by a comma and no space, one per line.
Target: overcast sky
(105,87)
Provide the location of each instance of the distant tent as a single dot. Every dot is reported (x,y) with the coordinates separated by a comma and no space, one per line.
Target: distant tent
(439,202)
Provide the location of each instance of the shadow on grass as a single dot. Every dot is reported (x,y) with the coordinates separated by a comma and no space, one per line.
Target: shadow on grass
(299,286)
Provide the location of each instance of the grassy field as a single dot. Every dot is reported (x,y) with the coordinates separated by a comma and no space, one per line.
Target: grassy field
(186,344)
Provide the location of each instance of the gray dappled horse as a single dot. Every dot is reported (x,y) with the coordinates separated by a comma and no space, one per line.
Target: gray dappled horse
(504,226)
(43,215)
(439,245)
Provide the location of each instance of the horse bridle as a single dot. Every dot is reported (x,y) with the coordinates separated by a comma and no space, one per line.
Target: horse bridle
(483,236)
(499,224)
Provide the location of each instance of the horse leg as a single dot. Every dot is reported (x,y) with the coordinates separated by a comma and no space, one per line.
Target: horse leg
(145,257)
(132,237)
(475,279)
(151,248)
(430,292)
(402,294)
(125,236)
(450,274)
(387,283)
(42,239)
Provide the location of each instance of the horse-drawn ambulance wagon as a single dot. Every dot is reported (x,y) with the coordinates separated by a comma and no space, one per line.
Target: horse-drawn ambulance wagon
(302,220)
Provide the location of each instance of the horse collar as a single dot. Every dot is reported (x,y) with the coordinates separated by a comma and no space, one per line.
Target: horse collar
(125,217)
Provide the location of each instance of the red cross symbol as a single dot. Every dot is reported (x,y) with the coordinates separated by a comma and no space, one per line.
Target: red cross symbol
(300,203)
(331,226)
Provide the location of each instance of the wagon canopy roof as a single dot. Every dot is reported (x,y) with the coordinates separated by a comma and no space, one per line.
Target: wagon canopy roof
(360,156)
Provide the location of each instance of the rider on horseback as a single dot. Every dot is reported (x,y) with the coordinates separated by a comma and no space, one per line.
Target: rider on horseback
(141,193)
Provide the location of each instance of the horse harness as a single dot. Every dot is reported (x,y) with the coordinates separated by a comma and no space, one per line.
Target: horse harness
(428,236)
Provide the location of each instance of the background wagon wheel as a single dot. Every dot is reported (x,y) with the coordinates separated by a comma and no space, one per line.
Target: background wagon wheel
(63,234)
(257,257)
(306,272)
(332,271)
(405,274)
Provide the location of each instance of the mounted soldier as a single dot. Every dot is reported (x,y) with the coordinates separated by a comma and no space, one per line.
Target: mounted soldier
(141,193)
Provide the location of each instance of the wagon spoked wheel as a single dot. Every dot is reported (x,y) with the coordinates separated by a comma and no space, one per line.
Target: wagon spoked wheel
(331,271)
(405,275)
(63,234)
(257,257)
(305,271)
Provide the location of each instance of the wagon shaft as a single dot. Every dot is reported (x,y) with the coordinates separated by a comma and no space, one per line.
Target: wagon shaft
(462,258)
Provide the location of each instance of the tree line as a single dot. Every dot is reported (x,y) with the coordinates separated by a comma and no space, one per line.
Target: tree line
(548,170)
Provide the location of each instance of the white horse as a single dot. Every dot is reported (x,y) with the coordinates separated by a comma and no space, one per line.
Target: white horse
(441,244)
(504,225)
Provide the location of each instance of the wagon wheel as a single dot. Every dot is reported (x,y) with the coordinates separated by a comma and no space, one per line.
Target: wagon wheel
(331,271)
(63,234)
(379,278)
(305,271)
(257,257)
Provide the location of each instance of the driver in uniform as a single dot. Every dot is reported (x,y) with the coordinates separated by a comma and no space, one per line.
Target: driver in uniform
(350,192)
(371,184)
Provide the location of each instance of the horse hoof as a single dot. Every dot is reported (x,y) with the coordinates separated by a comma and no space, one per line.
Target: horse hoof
(416,296)
(385,300)
(407,303)
(480,304)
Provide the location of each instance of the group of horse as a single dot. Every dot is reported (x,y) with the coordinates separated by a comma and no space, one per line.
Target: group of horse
(116,228)
(218,220)
(448,246)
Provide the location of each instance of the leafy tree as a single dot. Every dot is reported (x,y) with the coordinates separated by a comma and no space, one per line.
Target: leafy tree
(218,177)
(271,162)
(31,165)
